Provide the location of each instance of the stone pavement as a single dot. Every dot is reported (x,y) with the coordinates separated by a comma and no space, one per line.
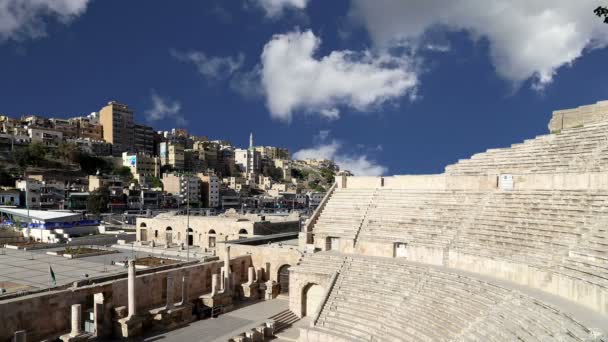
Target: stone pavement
(226,325)
(30,269)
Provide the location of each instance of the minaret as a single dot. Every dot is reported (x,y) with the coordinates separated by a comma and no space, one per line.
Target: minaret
(251,140)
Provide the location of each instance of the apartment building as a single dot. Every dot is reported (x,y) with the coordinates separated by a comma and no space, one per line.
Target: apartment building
(272,152)
(117,122)
(46,136)
(183,186)
(143,139)
(210,190)
(172,153)
(142,165)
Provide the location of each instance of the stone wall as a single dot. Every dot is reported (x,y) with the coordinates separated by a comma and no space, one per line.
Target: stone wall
(569,118)
(550,181)
(221,228)
(577,290)
(298,282)
(269,258)
(47,314)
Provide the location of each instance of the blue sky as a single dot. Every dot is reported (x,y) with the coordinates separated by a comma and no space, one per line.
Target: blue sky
(383,86)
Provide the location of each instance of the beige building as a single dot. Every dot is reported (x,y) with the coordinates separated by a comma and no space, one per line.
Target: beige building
(184,187)
(45,136)
(285,166)
(65,127)
(87,127)
(272,152)
(207,231)
(117,122)
(172,153)
(142,165)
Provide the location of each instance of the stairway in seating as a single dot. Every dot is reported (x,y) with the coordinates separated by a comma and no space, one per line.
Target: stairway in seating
(372,202)
(283,320)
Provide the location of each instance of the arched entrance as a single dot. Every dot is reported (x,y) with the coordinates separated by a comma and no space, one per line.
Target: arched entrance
(190,237)
(211,238)
(311,298)
(143,232)
(283,278)
(169,235)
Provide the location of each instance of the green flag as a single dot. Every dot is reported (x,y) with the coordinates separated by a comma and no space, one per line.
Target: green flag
(53,279)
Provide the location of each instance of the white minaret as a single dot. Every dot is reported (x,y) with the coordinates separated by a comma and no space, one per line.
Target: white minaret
(251,140)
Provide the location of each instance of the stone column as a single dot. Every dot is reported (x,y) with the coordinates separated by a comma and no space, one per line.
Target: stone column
(20,336)
(251,275)
(76,320)
(222,278)
(131,289)
(227,278)
(169,304)
(185,289)
(260,275)
(215,279)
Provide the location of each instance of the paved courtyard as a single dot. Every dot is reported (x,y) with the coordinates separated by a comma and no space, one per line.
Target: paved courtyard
(20,270)
(225,326)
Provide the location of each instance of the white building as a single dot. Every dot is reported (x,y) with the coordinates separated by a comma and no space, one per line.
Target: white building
(248,160)
(141,165)
(210,191)
(46,195)
(47,137)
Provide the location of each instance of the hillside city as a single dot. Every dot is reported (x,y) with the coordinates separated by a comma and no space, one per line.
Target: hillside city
(273,216)
(107,162)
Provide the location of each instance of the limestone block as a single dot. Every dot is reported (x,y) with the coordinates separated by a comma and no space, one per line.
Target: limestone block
(20,336)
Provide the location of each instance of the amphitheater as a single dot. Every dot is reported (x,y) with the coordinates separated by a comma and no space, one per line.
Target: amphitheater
(509,245)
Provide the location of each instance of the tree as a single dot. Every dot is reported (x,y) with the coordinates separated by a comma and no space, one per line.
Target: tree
(123,171)
(166,169)
(33,155)
(155,182)
(273,172)
(328,174)
(6,179)
(90,164)
(67,152)
(299,174)
(98,201)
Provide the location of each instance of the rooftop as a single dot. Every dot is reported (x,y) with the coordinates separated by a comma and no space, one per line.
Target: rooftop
(41,215)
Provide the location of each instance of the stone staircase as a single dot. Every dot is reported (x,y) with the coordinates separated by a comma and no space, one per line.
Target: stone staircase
(284,320)
(343,214)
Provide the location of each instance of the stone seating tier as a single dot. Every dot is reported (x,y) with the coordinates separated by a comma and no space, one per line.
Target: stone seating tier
(582,149)
(390,299)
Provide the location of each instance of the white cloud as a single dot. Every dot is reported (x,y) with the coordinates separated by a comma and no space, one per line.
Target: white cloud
(293,79)
(20,19)
(275,8)
(164,108)
(212,67)
(528,39)
(360,165)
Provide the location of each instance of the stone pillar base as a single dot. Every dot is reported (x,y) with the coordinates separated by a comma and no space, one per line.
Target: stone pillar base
(221,299)
(77,338)
(250,291)
(130,326)
(167,319)
(272,290)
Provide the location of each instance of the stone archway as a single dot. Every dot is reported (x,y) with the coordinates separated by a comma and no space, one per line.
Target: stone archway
(190,233)
(283,278)
(169,235)
(311,299)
